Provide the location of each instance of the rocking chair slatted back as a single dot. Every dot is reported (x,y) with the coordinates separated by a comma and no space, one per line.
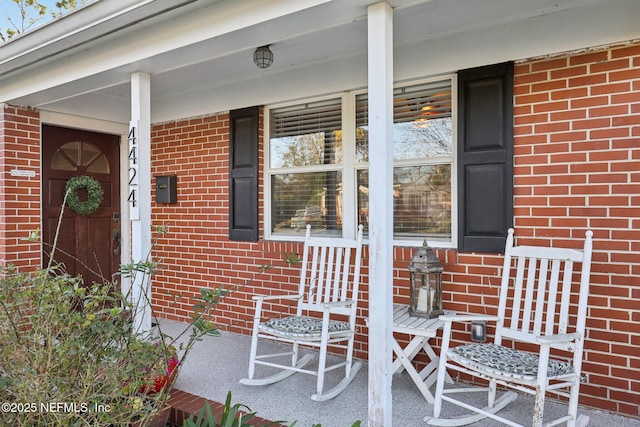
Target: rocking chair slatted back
(329,286)
(328,275)
(540,301)
(545,324)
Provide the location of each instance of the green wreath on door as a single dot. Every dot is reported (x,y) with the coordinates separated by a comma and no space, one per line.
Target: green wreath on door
(95,194)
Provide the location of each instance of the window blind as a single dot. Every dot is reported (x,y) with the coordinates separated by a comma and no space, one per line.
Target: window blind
(413,103)
(308,118)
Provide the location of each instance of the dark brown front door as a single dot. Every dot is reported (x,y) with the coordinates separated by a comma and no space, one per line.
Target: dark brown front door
(87,245)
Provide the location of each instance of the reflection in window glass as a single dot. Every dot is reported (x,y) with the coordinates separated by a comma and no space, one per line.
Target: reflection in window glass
(303,150)
(423,142)
(306,134)
(422,126)
(421,200)
(313,198)
(417,140)
(305,168)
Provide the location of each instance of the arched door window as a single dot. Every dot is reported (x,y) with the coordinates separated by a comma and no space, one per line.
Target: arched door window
(80,156)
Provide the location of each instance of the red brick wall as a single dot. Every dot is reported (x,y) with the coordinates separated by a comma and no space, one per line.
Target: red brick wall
(19,195)
(577,167)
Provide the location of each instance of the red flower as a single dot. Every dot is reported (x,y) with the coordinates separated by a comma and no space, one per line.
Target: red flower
(160,381)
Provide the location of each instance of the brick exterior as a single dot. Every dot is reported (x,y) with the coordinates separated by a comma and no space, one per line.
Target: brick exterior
(184,405)
(577,167)
(19,193)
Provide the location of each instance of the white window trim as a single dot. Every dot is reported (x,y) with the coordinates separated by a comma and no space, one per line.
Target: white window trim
(350,167)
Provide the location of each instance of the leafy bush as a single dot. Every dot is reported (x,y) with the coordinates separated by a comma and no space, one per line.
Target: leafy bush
(70,354)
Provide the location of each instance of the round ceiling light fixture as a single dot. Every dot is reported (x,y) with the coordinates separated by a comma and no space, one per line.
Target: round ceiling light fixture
(263,57)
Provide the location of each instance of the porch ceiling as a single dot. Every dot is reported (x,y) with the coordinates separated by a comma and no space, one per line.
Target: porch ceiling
(199,49)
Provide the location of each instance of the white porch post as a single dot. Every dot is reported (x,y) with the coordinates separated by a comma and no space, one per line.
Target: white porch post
(139,199)
(380,53)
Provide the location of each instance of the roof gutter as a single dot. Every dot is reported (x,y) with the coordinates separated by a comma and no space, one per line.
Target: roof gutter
(43,40)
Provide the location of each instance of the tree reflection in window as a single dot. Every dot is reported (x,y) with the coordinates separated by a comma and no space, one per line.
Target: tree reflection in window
(312,164)
(305,155)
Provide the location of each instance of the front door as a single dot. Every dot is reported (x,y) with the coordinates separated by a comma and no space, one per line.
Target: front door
(88,238)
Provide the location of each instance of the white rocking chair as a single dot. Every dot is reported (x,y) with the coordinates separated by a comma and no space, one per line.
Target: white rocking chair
(329,280)
(535,308)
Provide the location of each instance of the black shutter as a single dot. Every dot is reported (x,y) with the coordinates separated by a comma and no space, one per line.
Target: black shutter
(485,157)
(243,174)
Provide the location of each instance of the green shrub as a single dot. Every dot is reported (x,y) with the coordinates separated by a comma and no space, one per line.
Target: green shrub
(70,354)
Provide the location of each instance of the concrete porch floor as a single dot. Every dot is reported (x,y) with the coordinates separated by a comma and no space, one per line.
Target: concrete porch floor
(217,364)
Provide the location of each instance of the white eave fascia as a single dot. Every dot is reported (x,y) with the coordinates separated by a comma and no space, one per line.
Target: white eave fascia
(107,17)
(76,25)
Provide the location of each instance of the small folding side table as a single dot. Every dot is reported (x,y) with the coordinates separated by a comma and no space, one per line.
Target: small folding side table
(421,330)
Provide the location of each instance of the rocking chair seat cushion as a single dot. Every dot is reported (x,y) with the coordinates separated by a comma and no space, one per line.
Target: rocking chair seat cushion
(301,326)
(506,361)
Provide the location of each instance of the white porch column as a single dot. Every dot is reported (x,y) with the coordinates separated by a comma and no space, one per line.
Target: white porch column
(380,53)
(139,199)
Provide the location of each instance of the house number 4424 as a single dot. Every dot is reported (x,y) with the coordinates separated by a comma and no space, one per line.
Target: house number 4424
(133,173)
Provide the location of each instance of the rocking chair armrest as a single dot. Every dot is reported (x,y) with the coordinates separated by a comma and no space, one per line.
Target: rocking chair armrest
(453,317)
(338,303)
(275,297)
(557,339)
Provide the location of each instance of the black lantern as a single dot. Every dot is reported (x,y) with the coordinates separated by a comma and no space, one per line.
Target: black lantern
(263,57)
(425,283)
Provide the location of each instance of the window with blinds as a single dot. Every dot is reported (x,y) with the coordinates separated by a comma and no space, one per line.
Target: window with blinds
(306,167)
(305,157)
(423,158)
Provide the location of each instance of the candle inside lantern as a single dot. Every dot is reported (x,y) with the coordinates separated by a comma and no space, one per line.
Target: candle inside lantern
(423,302)
(425,284)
